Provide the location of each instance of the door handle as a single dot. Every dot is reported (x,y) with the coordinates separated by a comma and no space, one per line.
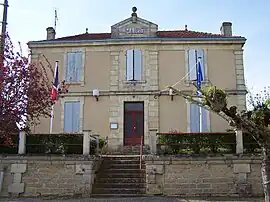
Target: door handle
(134,128)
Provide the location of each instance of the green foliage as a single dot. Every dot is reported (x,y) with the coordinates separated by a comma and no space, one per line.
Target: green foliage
(196,143)
(250,145)
(215,98)
(12,146)
(54,144)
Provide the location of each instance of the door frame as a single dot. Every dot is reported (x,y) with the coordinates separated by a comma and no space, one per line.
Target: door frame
(138,111)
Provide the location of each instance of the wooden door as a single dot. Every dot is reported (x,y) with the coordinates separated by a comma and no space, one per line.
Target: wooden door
(133,123)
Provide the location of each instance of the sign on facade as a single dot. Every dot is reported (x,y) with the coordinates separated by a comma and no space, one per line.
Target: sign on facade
(133,30)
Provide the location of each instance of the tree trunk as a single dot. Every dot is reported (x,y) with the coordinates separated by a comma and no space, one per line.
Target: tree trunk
(266,172)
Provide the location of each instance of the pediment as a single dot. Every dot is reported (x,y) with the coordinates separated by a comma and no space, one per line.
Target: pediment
(134,27)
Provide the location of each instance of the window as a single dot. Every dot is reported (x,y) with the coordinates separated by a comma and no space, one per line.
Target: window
(72,116)
(134,65)
(193,57)
(194,116)
(74,67)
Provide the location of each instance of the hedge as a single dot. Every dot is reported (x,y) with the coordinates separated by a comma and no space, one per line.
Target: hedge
(203,143)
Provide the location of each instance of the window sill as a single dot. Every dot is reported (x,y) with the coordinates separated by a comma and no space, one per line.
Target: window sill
(188,82)
(79,83)
(134,82)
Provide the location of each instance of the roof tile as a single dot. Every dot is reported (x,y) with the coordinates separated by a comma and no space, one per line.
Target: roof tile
(160,34)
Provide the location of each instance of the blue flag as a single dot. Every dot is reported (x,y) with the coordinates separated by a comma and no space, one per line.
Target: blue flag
(199,77)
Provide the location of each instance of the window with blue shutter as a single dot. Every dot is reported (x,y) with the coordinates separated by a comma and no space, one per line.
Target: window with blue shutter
(74,66)
(193,57)
(194,116)
(72,116)
(134,65)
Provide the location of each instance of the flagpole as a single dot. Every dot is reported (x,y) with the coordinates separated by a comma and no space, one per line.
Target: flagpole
(54,93)
(51,119)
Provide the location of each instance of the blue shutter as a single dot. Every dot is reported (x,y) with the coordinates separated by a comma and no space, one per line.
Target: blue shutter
(78,66)
(129,65)
(192,64)
(200,53)
(138,65)
(72,117)
(194,115)
(205,120)
(68,117)
(76,116)
(70,64)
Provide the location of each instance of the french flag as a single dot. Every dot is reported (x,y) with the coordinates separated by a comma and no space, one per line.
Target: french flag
(55,83)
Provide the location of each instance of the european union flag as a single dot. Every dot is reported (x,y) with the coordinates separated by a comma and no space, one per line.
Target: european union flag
(199,76)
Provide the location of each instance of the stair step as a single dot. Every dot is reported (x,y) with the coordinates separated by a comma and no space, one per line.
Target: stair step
(116,195)
(120,171)
(118,190)
(119,180)
(121,162)
(122,166)
(120,175)
(121,157)
(119,185)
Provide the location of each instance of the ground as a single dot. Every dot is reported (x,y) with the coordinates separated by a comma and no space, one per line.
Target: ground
(139,199)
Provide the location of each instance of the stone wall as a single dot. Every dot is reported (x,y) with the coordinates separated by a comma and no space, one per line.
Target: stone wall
(47,176)
(210,176)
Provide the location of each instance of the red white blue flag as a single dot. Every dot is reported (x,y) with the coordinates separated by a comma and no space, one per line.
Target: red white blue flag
(54,94)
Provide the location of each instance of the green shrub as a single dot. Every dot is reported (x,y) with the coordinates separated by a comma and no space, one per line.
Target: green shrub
(54,144)
(196,143)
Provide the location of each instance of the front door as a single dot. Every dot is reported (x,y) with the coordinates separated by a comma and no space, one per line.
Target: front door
(133,123)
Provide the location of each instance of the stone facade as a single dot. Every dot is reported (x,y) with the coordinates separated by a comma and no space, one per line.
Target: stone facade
(240,79)
(165,62)
(211,176)
(47,176)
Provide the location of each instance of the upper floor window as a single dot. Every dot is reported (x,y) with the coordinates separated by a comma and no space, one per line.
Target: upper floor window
(72,116)
(74,67)
(134,65)
(194,55)
(199,119)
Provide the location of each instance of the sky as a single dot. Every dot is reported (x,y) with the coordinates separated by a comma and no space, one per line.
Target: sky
(28,20)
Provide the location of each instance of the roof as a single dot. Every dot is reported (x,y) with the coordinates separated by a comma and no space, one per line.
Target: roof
(160,34)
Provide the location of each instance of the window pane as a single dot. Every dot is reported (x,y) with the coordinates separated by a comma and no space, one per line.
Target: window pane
(69,66)
(205,120)
(68,117)
(134,106)
(139,124)
(192,64)
(194,118)
(129,65)
(72,117)
(138,64)
(78,66)
(76,116)
(200,54)
(128,124)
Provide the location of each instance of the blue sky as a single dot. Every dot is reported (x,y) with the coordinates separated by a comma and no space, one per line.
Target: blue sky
(28,20)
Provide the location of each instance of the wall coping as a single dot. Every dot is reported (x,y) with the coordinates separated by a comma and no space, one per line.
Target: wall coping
(200,159)
(49,158)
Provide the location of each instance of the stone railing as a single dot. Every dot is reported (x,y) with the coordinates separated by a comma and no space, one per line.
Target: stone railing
(204,176)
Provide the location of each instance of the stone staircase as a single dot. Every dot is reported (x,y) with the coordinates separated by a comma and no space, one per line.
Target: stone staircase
(129,150)
(119,176)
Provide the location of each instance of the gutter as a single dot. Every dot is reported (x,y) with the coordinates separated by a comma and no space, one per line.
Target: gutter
(141,39)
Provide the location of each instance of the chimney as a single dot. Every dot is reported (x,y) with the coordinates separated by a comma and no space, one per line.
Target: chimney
(50,33)
(226,29)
